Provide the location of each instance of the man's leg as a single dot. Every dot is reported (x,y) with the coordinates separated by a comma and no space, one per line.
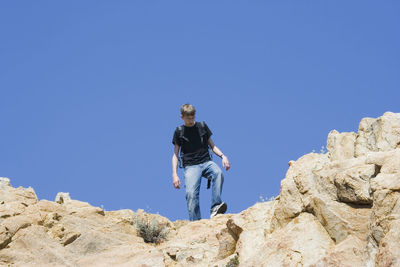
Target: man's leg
(214,172)
(192,184)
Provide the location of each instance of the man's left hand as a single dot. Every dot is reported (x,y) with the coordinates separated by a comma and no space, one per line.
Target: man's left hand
(225,162)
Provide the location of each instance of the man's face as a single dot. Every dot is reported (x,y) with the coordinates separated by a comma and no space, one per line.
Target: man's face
(189,120)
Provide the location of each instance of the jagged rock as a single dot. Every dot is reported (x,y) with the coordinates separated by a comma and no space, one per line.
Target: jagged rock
(350,252)
(341,220)
(353,184)
(385,220)
(340,146)
(62,197)
(309,177)
(302,242)
(341,208)
(250,229)
(362,171)
(4,181)
(201,242)
(381,134)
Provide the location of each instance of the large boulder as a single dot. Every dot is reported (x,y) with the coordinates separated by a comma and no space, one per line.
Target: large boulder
(353,191)
(381,134)
(302,242)
(341,145)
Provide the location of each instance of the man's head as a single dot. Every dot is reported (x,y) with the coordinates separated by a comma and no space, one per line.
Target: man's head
(188,113)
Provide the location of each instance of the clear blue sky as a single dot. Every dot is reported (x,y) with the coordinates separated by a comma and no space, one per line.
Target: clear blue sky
(90,91)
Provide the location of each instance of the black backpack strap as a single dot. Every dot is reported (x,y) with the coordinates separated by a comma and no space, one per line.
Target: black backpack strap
(180,136)
(202,132)
(180,131)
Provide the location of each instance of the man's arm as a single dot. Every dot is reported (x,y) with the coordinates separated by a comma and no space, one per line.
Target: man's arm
(218,152)
(175,179)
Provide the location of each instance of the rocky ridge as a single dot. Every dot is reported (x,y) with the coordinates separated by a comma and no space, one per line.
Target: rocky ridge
(340,208)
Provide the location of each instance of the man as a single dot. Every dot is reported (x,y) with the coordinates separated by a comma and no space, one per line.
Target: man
(193,139)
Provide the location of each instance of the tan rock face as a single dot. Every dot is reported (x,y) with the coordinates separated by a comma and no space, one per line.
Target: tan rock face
(353,192)
(341,208)
(341,145)
(353,184)
(302,242)
(349,252)
(381,134)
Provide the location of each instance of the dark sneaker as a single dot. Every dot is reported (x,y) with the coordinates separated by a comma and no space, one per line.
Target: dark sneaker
(219,209)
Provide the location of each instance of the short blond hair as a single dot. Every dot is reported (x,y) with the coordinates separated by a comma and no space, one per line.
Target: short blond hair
(188,110)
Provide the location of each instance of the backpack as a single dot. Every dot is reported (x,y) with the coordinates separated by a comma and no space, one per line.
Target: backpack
(202,133)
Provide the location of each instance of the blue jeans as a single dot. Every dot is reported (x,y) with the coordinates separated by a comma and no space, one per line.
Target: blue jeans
(193,174)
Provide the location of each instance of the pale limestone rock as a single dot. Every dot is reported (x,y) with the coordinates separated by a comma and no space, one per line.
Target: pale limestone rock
(62,235)
(302,242)
(4,181)
(309,177)
(32,246)
(350,252)
(389,246)
(311,185)
(200,242)
(381,134)
(311,180)
(23,196)
(386,192)
(62,197)
(353,184)
(341,220)
(342,165)
(250,228)
(290,203)
(385,162)
(141,214)
(10,226)
(385,220)
(299,181)
(340,146)
(370,252)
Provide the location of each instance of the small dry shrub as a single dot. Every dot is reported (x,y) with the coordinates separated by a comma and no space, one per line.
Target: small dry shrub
(234,262)
(151,231)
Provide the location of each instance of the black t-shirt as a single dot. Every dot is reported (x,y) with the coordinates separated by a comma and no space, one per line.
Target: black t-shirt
(194,152)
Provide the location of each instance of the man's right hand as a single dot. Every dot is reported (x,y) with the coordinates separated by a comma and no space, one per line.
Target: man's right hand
(176,181)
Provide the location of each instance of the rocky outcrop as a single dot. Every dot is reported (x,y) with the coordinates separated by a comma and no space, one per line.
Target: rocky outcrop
(74,233)
(352,191)
(341,208)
